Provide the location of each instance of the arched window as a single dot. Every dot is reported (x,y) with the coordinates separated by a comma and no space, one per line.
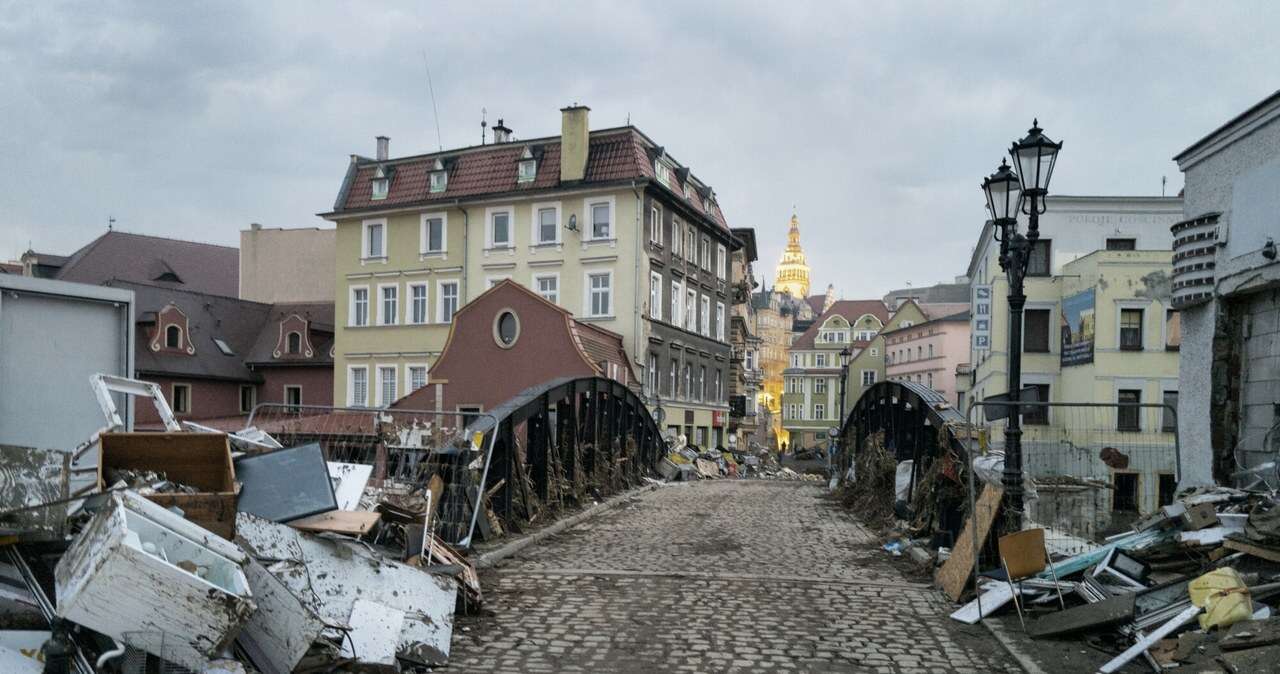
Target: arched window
(294,343)
(173,337)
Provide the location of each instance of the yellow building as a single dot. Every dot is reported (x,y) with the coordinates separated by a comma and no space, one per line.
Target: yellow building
(1098,327)
(585,219)
(793,272)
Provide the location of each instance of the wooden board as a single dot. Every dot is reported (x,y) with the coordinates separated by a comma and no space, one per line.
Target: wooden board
(436,488)
(1247,547)
(349,522)
(1108,612)
(954,574)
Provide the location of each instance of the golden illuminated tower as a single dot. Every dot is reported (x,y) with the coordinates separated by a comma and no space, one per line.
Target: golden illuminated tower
(793,273)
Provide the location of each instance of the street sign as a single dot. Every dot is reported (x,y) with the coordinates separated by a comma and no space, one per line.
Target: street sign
(981,328)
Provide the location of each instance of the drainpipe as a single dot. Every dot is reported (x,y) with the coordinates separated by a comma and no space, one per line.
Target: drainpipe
(466,232)
(640,241)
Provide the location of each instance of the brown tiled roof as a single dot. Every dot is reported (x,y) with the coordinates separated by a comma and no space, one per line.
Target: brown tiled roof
(851,310)
(613,155)
(601,345)
(138,258)
(816,302)
(11,268)
(934,312)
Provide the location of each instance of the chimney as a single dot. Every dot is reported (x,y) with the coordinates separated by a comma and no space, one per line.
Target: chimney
(383,143)
(501,134)
(573,143)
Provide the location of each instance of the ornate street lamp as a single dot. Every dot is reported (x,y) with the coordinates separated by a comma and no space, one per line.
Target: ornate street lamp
(1007,195)
(846,354)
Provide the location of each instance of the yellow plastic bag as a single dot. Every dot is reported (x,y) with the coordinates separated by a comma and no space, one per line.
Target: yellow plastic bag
(1223,596)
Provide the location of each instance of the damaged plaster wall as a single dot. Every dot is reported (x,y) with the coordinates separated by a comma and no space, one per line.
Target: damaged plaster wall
(1235,180)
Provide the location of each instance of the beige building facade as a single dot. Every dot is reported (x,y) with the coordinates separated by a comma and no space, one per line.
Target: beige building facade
(287,265)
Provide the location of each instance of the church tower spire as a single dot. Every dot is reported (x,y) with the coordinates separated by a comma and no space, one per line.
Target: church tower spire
(793,272)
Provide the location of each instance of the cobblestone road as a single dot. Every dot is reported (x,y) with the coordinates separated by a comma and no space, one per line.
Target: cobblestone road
(716,576)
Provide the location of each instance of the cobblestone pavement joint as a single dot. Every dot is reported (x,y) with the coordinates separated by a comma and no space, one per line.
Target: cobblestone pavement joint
(717,576)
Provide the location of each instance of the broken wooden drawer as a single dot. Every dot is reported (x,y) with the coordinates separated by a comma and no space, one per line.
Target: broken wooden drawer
(151,579)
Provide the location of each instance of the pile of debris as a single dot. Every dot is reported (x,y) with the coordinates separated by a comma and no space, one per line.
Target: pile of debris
(689,462)
(180,554)
(1195,584)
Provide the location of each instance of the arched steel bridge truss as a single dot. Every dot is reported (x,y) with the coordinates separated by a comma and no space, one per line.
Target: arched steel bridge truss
(912,417)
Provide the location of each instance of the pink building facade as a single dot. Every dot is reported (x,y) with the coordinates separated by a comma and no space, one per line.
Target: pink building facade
(929,353)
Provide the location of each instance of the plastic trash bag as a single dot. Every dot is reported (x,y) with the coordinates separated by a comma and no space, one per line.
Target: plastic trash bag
(1223,596)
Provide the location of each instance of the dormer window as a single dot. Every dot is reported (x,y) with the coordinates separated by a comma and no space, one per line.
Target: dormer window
(381,184)
(527,168)
(173,337)
(439,177)
(294,343)
(662,171)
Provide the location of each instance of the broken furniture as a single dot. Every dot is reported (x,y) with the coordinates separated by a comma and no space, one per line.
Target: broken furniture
(286,484)
(1023,555)
(146,577)
(199,460)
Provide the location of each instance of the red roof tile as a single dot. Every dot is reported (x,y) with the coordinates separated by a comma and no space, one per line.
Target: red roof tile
(613,155)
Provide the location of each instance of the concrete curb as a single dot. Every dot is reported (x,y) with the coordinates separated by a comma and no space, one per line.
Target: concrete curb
(492,557)
(1015,651)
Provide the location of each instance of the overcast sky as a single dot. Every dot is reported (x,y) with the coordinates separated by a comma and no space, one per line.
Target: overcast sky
(876,120)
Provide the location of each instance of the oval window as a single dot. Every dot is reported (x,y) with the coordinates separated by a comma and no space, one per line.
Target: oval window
(506,328)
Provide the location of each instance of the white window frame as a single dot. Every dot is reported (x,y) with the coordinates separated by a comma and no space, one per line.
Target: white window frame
(589,216)
(374,193)
(691,247)
(820,385)
(382,306)
(720,321)
(408,376)
(1121,305)
(721,258)
(704,316)
(862,377)
(521,176)
(489,242)
(351,386)
(253,398)
(395,378)
(410,301)
(704,257)
(367,255)
(424,241)
(677,237)
(351,307)
(1144,397)
(554,276)
(587,291)
(819,411)
(284,393)
(491,281)
(440,297)
(443,185)
(535,230)
(677,302)
(655,295)
(691,310)
(655,224)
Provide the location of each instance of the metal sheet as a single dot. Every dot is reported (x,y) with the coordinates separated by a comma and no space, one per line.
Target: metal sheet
(349,480)
(328,576)
(285,484)
(375,634)
(281,631)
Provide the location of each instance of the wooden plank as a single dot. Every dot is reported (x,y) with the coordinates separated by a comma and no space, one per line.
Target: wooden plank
(954,574)
(1250,548)
(351,523)
(436,487)
(994,596)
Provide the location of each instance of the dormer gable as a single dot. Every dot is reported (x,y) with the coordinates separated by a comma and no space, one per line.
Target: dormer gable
(382,176)
(172,332)
(293,338)
(438,176)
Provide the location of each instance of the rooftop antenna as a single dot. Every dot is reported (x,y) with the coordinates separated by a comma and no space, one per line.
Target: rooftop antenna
(434,110)
(1163,180)
(483,124)
(111,222)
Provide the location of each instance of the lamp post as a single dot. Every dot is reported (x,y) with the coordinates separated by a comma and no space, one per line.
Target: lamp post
(1008,193)
(846,354)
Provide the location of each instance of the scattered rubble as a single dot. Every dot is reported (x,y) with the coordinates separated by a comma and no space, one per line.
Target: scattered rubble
(186,554)
(1193,584)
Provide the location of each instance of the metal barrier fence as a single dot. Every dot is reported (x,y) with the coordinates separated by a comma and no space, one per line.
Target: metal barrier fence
(1090,469)
(406,449)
